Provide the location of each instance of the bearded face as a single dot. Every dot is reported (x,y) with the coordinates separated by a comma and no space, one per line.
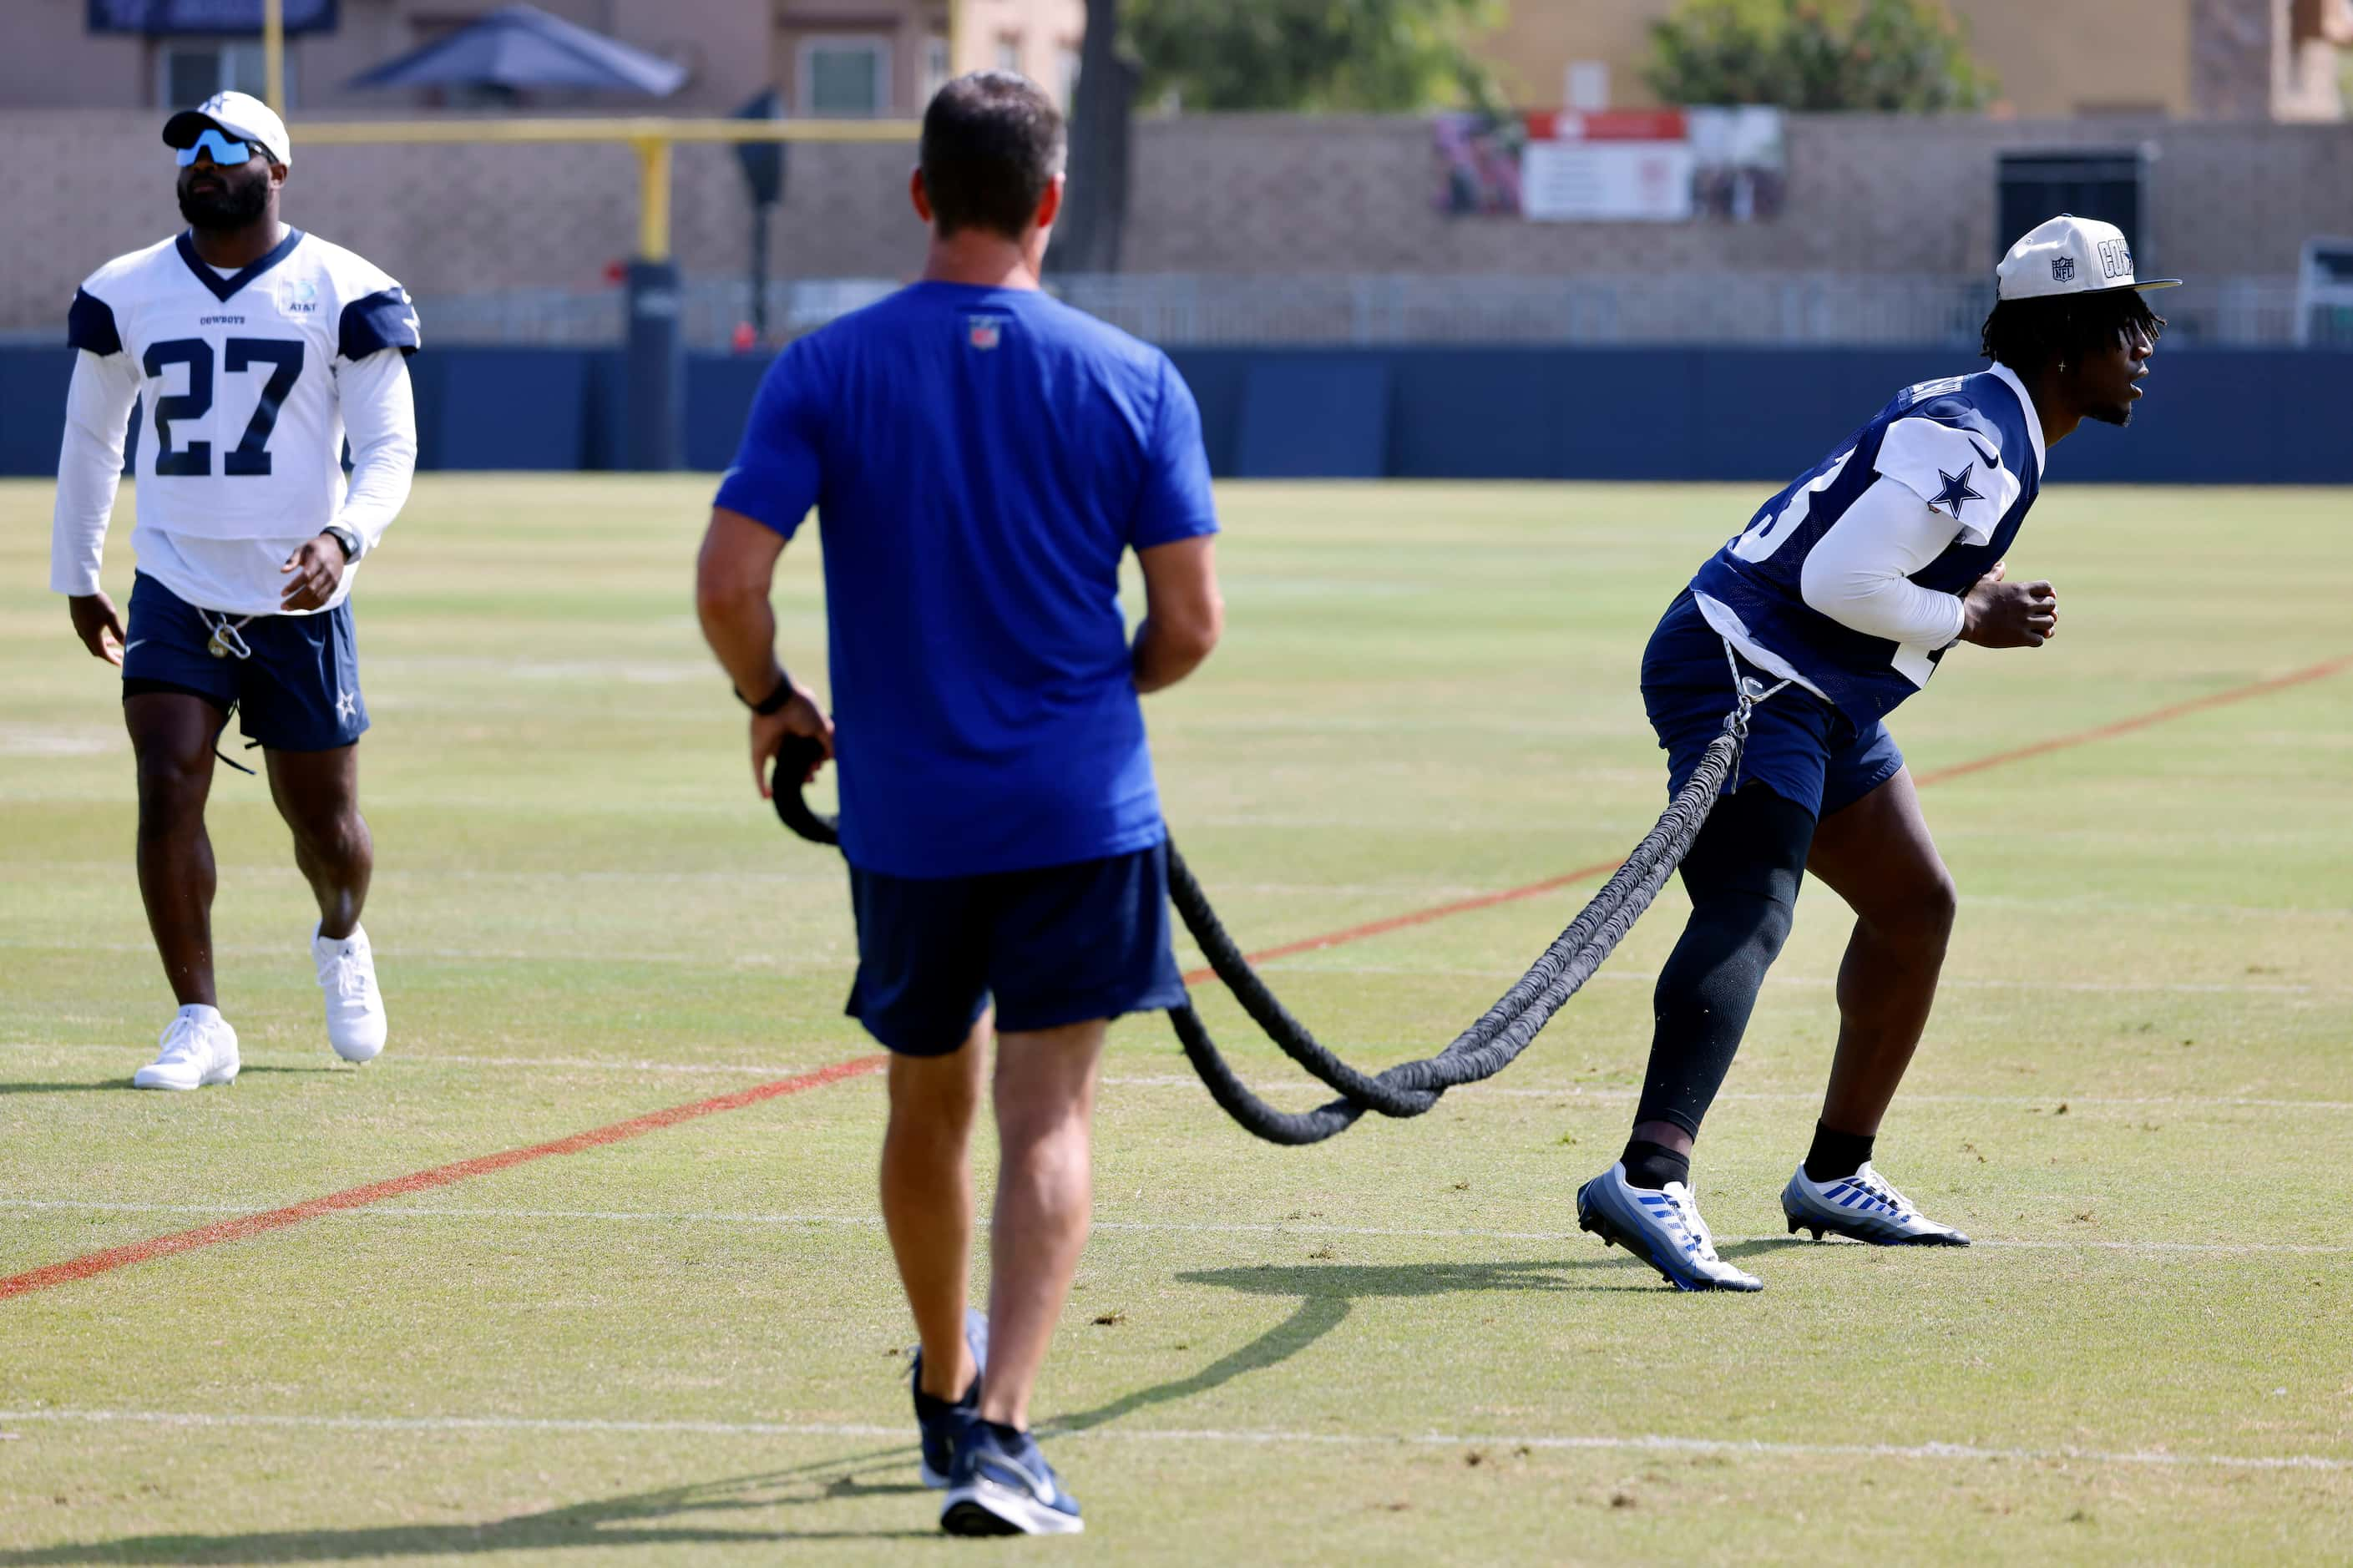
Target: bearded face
(216,197)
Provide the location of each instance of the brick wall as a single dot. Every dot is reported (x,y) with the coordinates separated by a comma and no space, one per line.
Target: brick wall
(1219,195)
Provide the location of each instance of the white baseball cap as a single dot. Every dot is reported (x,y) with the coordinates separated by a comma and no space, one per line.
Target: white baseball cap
(237,114)
(2070,255)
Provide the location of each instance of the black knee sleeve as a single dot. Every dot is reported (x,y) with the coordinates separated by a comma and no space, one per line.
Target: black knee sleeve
(1743,874)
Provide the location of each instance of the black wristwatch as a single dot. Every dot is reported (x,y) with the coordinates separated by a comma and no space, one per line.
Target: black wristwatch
(345,538)
(774,702)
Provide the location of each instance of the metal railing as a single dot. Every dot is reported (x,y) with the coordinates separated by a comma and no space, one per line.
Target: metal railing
(1192,310)
(1177,310)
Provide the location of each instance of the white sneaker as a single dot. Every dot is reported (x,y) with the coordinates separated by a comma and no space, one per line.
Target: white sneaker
(198,1049)
(355,1021)
(1661,1226)
(1866,1206)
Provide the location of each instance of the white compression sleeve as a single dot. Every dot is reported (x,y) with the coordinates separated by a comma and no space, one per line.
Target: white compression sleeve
(1859,573)
(380,417)
(90,468)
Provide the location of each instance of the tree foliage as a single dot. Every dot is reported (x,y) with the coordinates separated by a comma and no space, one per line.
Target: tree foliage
(1908,56)
(1328,55)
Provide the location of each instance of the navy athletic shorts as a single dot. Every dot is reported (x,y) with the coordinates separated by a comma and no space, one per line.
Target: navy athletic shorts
(298,689)
(1060,944)
(1804,749)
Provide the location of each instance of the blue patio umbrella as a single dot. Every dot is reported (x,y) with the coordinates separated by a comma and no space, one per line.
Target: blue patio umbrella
(522,46)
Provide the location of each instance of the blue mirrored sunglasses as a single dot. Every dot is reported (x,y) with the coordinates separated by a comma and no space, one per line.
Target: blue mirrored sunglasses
(226,152)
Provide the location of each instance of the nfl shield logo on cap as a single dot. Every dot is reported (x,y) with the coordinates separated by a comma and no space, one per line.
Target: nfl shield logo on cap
(2071,255)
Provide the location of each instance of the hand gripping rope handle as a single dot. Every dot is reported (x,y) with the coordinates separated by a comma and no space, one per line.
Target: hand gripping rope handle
(1480,1051)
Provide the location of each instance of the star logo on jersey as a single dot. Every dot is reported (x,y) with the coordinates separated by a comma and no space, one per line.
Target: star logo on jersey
(984,331)
(347,704)
(1957,490)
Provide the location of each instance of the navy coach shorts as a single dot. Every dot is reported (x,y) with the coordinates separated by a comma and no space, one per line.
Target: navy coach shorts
(1805,749)
(1060,944)
(297,690)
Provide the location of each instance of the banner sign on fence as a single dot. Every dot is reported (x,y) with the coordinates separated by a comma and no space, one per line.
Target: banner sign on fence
(1651,165)
(1618,165)
(242,17)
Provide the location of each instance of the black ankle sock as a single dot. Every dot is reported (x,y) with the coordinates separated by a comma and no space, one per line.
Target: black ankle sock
(1836,1154)
(1652,1166)
(1010,1437)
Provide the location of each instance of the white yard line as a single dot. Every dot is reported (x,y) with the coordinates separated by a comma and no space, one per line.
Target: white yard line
(1277,1227)
(1303,965)
(1648,1443)
(1307,966)
(399,1059)
(1308,1088)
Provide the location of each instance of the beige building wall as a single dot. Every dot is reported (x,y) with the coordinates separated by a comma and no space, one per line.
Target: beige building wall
(1039,38)
(731,49)
(1222,194)
(2055,58)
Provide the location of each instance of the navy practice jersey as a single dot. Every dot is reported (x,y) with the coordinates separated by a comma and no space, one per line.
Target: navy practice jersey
(1969,446)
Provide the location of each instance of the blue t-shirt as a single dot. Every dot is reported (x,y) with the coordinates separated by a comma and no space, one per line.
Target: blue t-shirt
(979,460)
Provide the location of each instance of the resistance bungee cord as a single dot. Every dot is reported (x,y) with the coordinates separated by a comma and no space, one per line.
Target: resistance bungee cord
(1480,1051)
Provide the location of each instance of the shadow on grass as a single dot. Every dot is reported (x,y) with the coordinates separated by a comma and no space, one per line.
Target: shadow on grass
(656,1518)
(113,1084)
(1324,1295)
(650,1518)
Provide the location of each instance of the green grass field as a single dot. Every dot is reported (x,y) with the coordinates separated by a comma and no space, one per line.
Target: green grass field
(1396,1347)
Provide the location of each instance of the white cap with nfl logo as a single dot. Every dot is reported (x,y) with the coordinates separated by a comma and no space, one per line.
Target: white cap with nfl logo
(237,114)
(2070,255)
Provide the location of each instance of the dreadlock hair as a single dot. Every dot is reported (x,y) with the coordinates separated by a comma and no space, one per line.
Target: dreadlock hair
(2028,334)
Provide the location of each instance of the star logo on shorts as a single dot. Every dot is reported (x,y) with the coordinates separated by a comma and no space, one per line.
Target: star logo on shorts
(347,705)
(1957,490)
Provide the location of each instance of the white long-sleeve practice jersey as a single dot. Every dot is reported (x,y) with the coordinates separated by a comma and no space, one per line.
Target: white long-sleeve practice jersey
(250,381)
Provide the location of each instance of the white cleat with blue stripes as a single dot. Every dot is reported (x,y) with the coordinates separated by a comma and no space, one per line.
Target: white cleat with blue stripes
(1662,1227)
(1866,1206)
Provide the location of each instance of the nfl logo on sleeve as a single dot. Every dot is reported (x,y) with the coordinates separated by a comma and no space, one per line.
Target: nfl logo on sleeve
(984,331)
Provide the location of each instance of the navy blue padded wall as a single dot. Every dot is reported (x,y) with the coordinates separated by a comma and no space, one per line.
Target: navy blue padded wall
(2212,415)
(719,393)
(1313,416)
(501,408)
(33,409)
(1217,378)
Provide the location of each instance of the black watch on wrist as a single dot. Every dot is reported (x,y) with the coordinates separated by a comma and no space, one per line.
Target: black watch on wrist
(348,541)
(774,702)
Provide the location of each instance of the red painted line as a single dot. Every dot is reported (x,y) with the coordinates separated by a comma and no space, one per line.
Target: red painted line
(1603,868)
(2142,722)
(1421,917)
(213,1234)
(137,1252)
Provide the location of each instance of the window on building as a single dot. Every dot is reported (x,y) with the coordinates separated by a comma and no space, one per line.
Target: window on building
(190,71)
(845,76)
(1008,53)
(1585,86)
(1066,74)
(935,65)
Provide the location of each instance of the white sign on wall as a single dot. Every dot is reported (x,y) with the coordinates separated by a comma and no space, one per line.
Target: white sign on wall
(1568,182)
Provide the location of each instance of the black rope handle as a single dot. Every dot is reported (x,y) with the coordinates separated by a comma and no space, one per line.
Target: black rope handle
(795,758)
(1409,1088)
